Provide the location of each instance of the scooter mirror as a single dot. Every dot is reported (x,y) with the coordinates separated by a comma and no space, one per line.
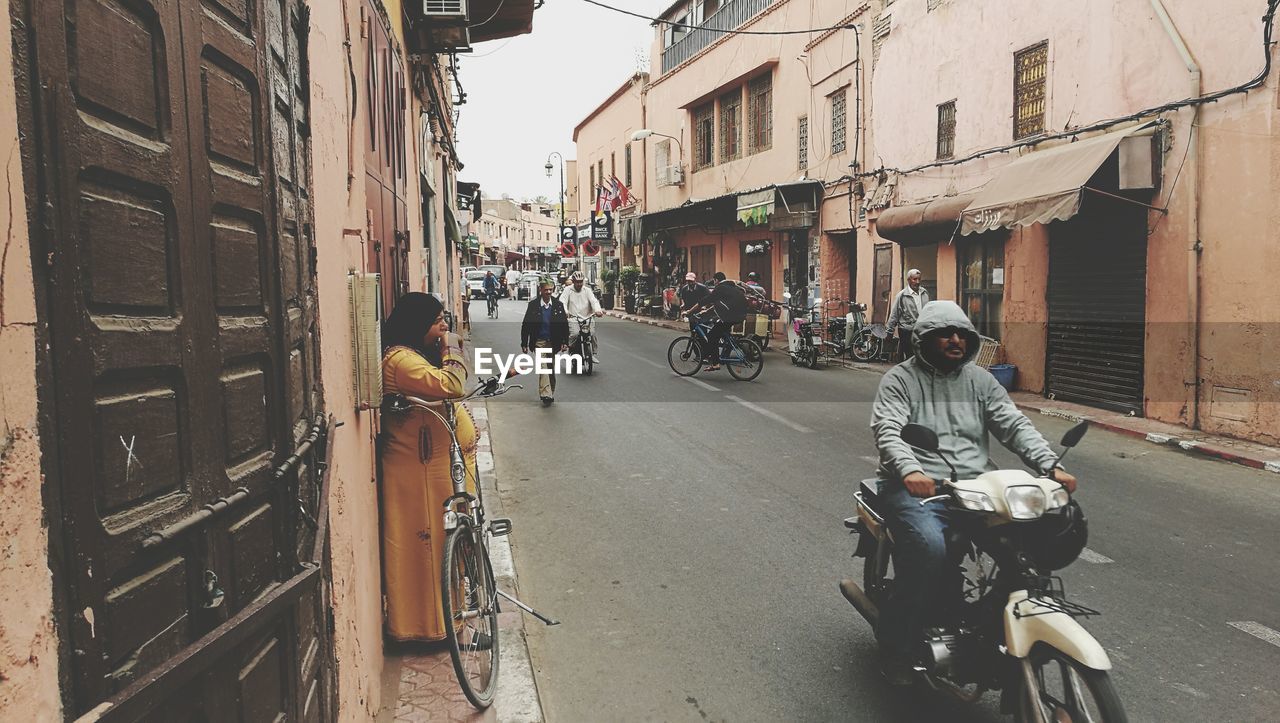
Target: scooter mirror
(920,437)
(786,295)
(1074,435)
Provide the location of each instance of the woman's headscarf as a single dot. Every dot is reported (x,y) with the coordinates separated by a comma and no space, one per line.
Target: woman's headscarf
(415,312)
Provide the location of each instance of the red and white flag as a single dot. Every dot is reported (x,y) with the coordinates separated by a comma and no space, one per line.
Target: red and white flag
(620,196)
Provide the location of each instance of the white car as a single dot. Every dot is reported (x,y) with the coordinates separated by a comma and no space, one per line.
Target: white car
(475,284)
(527,287)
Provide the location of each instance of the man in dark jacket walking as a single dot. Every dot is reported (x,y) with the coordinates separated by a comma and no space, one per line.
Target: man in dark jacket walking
(545,325)
(729,303)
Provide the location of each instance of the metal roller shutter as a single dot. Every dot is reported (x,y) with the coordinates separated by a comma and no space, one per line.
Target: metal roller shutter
(1097,306)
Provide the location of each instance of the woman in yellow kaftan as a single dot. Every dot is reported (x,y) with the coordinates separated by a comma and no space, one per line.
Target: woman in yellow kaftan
(421,358)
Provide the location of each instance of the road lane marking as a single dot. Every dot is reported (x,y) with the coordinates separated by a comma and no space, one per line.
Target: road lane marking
(701,383)
(771,415)
(650,362)
(1259,631)
(1090,556)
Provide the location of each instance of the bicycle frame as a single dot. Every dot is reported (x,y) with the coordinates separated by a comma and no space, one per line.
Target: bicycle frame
(701,330)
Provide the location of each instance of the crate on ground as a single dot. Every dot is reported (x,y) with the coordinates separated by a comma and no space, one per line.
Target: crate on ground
(987,350)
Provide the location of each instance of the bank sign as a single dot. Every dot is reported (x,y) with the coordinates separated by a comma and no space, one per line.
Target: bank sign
(602,226)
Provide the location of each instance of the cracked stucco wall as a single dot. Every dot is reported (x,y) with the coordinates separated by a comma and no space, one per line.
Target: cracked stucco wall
(28,641)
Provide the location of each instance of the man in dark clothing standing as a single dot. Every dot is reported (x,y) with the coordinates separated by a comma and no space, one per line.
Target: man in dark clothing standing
(545,325)
(729,303)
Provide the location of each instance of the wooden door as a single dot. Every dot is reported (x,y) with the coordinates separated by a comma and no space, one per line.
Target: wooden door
(882,283)
(174,216)
(385,162)
(702,261)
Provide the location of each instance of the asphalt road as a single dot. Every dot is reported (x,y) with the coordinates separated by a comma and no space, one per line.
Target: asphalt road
(688,534)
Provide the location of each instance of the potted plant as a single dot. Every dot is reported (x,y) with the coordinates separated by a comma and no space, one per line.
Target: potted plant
(608,277)
(627,277)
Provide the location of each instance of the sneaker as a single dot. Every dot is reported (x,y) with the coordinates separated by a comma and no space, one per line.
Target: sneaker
(595,360)
(546,401)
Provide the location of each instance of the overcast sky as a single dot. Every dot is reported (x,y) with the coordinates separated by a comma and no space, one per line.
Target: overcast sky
(525,94)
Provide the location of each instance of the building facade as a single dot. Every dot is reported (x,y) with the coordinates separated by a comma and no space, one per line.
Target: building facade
(1116,241)
(745,147)
(191,496)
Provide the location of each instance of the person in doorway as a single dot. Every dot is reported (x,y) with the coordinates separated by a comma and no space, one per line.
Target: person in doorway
(904,311)
(580,300)
(545,325)
(729,304)
(753,283)
(940,388)
(421,358)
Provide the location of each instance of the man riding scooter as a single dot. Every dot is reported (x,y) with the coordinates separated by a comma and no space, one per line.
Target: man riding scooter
(580,301)
(940,388)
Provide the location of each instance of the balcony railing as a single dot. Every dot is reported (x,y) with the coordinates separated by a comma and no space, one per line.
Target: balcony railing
(729,17)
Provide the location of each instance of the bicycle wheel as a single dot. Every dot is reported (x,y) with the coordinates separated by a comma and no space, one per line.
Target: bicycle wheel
(685,356)
(469,600)
(747,362)
(865,345)
(588,362)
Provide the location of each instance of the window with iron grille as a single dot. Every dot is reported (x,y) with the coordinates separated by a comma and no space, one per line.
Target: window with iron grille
(592,169)
(613,164)
(731,125)
(879,32)
(760,114)
(626,164)
(837,121)
(704,136)
(599,172)
(947,130)
(803,141)
(1030,74)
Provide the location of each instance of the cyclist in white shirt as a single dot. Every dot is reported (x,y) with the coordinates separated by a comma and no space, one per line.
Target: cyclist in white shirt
(579,300)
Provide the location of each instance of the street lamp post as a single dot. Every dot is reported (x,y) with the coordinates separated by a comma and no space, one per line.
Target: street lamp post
(548,169)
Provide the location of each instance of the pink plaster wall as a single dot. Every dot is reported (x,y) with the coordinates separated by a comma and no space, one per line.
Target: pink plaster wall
(1024,330)
(28,640)
(609,132)
(353,506)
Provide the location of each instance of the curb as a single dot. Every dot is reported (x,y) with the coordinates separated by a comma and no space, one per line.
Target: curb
(1192,446)
(516,700)
(1198,447)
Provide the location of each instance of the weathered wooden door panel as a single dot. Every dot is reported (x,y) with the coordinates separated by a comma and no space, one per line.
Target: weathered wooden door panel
(182,340)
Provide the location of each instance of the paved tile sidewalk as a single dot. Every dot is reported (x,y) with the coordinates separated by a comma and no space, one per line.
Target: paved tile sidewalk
(1249,454)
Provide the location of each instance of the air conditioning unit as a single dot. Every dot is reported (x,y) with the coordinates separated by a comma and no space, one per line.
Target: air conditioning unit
(445,9)
(365,292)
(671,176)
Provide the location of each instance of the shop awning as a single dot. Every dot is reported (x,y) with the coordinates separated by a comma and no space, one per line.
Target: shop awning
(452,231)
(755,208)
(929,222)
(1042,186)
(514,256)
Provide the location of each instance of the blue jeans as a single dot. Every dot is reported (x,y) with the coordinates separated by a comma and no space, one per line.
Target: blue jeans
(919,565)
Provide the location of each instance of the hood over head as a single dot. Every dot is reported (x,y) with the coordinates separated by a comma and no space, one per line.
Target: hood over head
(937,315)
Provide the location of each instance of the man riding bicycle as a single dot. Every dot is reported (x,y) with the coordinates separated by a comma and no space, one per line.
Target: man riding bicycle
(579,300)
(491,288)
(730,306)
(939,388)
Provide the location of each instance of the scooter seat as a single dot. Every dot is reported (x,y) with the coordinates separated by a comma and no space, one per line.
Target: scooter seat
(870,490)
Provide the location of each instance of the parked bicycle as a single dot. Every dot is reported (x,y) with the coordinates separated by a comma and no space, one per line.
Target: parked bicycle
(742,357)
(821,336)
(468,592)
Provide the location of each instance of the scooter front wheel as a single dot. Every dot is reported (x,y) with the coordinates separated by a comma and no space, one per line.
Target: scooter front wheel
(1066,690)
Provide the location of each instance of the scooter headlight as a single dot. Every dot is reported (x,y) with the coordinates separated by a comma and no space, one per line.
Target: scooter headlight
(1059,498)
(1026,502)
(976,501)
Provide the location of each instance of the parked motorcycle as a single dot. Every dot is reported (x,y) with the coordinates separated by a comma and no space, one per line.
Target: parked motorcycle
(582,343)
(1005,622)
(805,337)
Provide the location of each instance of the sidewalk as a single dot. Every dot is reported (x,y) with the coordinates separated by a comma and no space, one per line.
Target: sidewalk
(418,683)
(1249,454)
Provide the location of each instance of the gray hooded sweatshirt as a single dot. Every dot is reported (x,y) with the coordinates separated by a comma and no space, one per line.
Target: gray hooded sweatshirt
(961,407)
